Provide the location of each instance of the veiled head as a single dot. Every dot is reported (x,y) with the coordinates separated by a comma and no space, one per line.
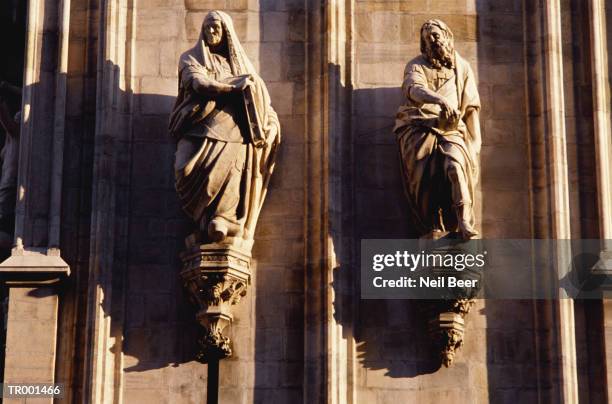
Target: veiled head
(218,37)
(437,43)
(212,29)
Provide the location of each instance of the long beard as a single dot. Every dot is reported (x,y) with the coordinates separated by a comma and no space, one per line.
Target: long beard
(443,55)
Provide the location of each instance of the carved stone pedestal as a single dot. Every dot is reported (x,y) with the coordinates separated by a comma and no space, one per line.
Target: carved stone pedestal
(216,277)
(446,326)
(446,315)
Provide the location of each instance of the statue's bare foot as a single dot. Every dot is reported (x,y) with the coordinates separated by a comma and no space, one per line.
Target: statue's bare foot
(472,236)
(468,232)
(464,222)
(217,230)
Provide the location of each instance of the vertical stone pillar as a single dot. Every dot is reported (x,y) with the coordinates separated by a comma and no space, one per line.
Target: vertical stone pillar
(114,111)
(601,114)
(556,141)
(550,192)
(31,337)
(35,265)
(32,321)
(329,348)
(601,125)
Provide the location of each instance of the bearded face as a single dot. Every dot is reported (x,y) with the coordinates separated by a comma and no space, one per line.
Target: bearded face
(439,49)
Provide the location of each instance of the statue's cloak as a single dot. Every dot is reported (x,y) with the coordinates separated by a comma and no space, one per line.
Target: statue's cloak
(203,173)
(424,146)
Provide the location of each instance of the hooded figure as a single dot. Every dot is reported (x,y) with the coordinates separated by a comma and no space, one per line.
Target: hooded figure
(438,134)
(223,160)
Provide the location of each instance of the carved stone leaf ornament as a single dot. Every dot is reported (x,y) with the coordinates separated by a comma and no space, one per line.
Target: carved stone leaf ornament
(215,282)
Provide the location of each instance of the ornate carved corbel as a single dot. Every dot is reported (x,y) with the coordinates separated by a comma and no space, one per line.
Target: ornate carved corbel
(447,314)
(216,277)
(446,325)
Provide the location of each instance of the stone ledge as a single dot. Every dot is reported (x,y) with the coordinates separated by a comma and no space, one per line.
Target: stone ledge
(34,266)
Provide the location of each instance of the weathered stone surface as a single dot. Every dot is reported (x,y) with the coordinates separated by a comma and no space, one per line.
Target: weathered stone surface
(30,346)
(283,92)
(275,27)
(147,57)
(378,27)
(158,24)
(205,5)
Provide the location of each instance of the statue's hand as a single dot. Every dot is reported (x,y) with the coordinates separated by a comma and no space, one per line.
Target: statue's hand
(449,116)
(272,135)
(444,105)
(244,83)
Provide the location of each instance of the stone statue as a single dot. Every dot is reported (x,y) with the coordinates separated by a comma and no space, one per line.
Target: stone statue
(438,133)
(227,135)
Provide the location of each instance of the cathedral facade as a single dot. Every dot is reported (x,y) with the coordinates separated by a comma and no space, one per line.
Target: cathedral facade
(93,291)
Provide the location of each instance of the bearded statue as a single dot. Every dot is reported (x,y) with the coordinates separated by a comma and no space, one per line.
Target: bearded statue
(438,133)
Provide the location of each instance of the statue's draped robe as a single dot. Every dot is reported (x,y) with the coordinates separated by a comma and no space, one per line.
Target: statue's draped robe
(425,148)
(219,173)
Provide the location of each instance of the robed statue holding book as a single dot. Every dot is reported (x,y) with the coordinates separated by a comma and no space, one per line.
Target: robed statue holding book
(227,135)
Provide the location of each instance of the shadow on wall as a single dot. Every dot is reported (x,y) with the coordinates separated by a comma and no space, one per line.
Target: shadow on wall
(151,318)
(160,329)
(138,250)
(150,314)
(12,25)
(390,335)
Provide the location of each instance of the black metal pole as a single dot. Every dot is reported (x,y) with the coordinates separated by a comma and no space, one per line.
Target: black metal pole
(212,391)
